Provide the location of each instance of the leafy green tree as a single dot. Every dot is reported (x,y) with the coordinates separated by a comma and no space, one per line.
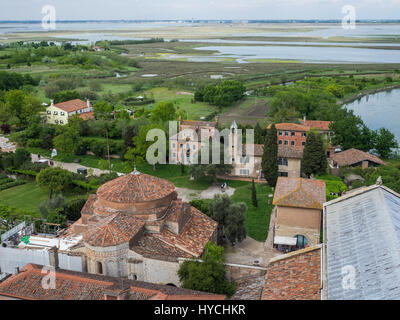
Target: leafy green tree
(351,132)
(385,142)
(21,156)
(208,275)
(54,180)
(50,205)
(20,107)
(199,170)
(269,161)
(235,230)
(163,111)
(259,134)
(67,140)
(314,157)
(137,154)
(254,194)
(230,218)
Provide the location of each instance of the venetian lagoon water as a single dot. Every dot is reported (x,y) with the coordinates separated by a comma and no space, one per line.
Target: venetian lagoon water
(379,110)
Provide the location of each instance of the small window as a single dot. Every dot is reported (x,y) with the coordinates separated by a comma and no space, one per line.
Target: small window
(280,142)
(62,113)
(48,112)
(303,143)
(304,134)
(194,147)
(283,174)
(174,145)
(293,133)
(181,145)
(56,121)
(287,133)
(244,172)
(286,143)
(292,143)
(174,155)
(62,122)
(280,133)
(55,113)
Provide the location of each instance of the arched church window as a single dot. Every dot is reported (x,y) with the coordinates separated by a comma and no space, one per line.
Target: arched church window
(99,267)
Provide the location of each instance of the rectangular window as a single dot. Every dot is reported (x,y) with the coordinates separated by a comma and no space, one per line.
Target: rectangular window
(283,174)
(56,121)
(48,112)
(282,161)
(280,133)
(62,113)
(287,133)
(194,147)
(174,145)
(62,122)
(292,143)
(286,143)
(55,113)
(304,134)
(293,133)
(244,172)
(174,155)
(303,143)
(280,142)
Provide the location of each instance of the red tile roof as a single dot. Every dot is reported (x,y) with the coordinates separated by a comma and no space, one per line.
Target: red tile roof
(283,151)
(317,124)
(353,156)
(133,188)
(300,193)
(290,127)
(71,285)
(72,105)
(295,276)
(114,230)
(86,116)
(309,124)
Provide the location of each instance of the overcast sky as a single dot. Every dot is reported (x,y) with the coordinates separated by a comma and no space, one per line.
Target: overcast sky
(198,9)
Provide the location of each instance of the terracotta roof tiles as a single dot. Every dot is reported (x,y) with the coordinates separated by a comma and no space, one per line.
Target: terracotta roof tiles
(299,192)
(135,188)
(72,105)
(71,285)
(353,156)
(295,276)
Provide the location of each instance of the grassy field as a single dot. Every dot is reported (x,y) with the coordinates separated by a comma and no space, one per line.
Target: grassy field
(257,219)
(26,197)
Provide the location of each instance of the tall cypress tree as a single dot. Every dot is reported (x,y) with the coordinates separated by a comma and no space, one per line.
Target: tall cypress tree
(254,194)
(269,162)
(314,157)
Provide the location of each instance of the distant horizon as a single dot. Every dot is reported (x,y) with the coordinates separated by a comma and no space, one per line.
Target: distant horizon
(372,20)
(212,10)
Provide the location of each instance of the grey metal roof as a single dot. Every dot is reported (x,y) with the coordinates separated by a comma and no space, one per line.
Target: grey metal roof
(362,230)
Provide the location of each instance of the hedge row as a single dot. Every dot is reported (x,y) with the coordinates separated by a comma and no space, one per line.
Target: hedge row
(12,184)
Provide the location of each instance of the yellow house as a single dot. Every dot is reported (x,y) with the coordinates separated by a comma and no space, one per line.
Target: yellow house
(60,112)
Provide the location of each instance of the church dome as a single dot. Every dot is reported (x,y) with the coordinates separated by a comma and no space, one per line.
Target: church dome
(135,187)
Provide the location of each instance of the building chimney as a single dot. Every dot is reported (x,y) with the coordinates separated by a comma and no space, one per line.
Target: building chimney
(52,102)
(88,103)
(304,120)
(16,270)
(53,257)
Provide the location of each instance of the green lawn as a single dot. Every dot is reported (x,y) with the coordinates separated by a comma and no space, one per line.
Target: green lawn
(194,111)
(257,219)
(25,197)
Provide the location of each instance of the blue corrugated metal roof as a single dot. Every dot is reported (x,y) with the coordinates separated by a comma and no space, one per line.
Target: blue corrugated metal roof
(362,234)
